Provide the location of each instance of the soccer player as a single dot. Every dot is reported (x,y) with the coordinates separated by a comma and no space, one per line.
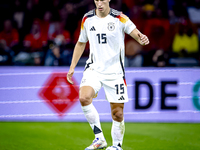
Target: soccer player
(105,29)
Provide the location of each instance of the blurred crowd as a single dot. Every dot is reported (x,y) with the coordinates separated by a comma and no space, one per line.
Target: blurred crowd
(44,32)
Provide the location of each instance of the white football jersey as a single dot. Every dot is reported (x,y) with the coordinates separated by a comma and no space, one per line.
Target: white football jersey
(106,39)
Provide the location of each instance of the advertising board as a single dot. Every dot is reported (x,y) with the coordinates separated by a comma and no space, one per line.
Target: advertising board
(43,94)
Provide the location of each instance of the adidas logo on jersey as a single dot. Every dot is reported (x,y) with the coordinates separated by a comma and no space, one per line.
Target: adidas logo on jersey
(92,29)
(121,98)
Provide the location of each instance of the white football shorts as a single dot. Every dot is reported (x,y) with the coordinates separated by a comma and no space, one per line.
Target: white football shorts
(114,85)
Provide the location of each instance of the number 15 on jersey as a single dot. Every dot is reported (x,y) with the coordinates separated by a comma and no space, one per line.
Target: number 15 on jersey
(102,39)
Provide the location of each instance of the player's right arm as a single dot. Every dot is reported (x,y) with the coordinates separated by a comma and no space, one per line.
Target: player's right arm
(78,51)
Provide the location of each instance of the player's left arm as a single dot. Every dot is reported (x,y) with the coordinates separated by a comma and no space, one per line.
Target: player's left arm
(139,37)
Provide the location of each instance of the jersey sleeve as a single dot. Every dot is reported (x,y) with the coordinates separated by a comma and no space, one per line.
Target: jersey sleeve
(83,34)
(129,26)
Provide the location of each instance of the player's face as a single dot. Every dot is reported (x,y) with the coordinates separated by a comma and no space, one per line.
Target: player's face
(102,5)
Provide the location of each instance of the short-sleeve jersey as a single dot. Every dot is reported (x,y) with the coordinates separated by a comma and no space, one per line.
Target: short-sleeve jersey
(106,39)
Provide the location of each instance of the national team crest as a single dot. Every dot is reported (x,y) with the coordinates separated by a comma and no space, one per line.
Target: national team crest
(111,26)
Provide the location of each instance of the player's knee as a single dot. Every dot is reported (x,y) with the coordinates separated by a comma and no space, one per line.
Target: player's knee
(85,100)
(117,114)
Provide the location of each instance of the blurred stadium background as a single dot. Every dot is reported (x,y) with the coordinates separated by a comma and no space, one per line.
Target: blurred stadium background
(40,110)
(43,32)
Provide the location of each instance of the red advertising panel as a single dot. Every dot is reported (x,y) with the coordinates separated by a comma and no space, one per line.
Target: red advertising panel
(59,94)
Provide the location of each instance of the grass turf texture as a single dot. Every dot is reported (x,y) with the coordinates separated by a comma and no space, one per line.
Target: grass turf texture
(77,136)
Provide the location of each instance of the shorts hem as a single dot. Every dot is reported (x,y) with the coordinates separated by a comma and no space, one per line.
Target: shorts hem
(117,101)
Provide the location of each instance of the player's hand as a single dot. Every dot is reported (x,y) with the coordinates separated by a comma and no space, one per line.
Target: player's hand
(69,76)
(143,39)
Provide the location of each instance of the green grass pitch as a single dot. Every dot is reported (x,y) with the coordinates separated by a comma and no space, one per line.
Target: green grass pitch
(77,136)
